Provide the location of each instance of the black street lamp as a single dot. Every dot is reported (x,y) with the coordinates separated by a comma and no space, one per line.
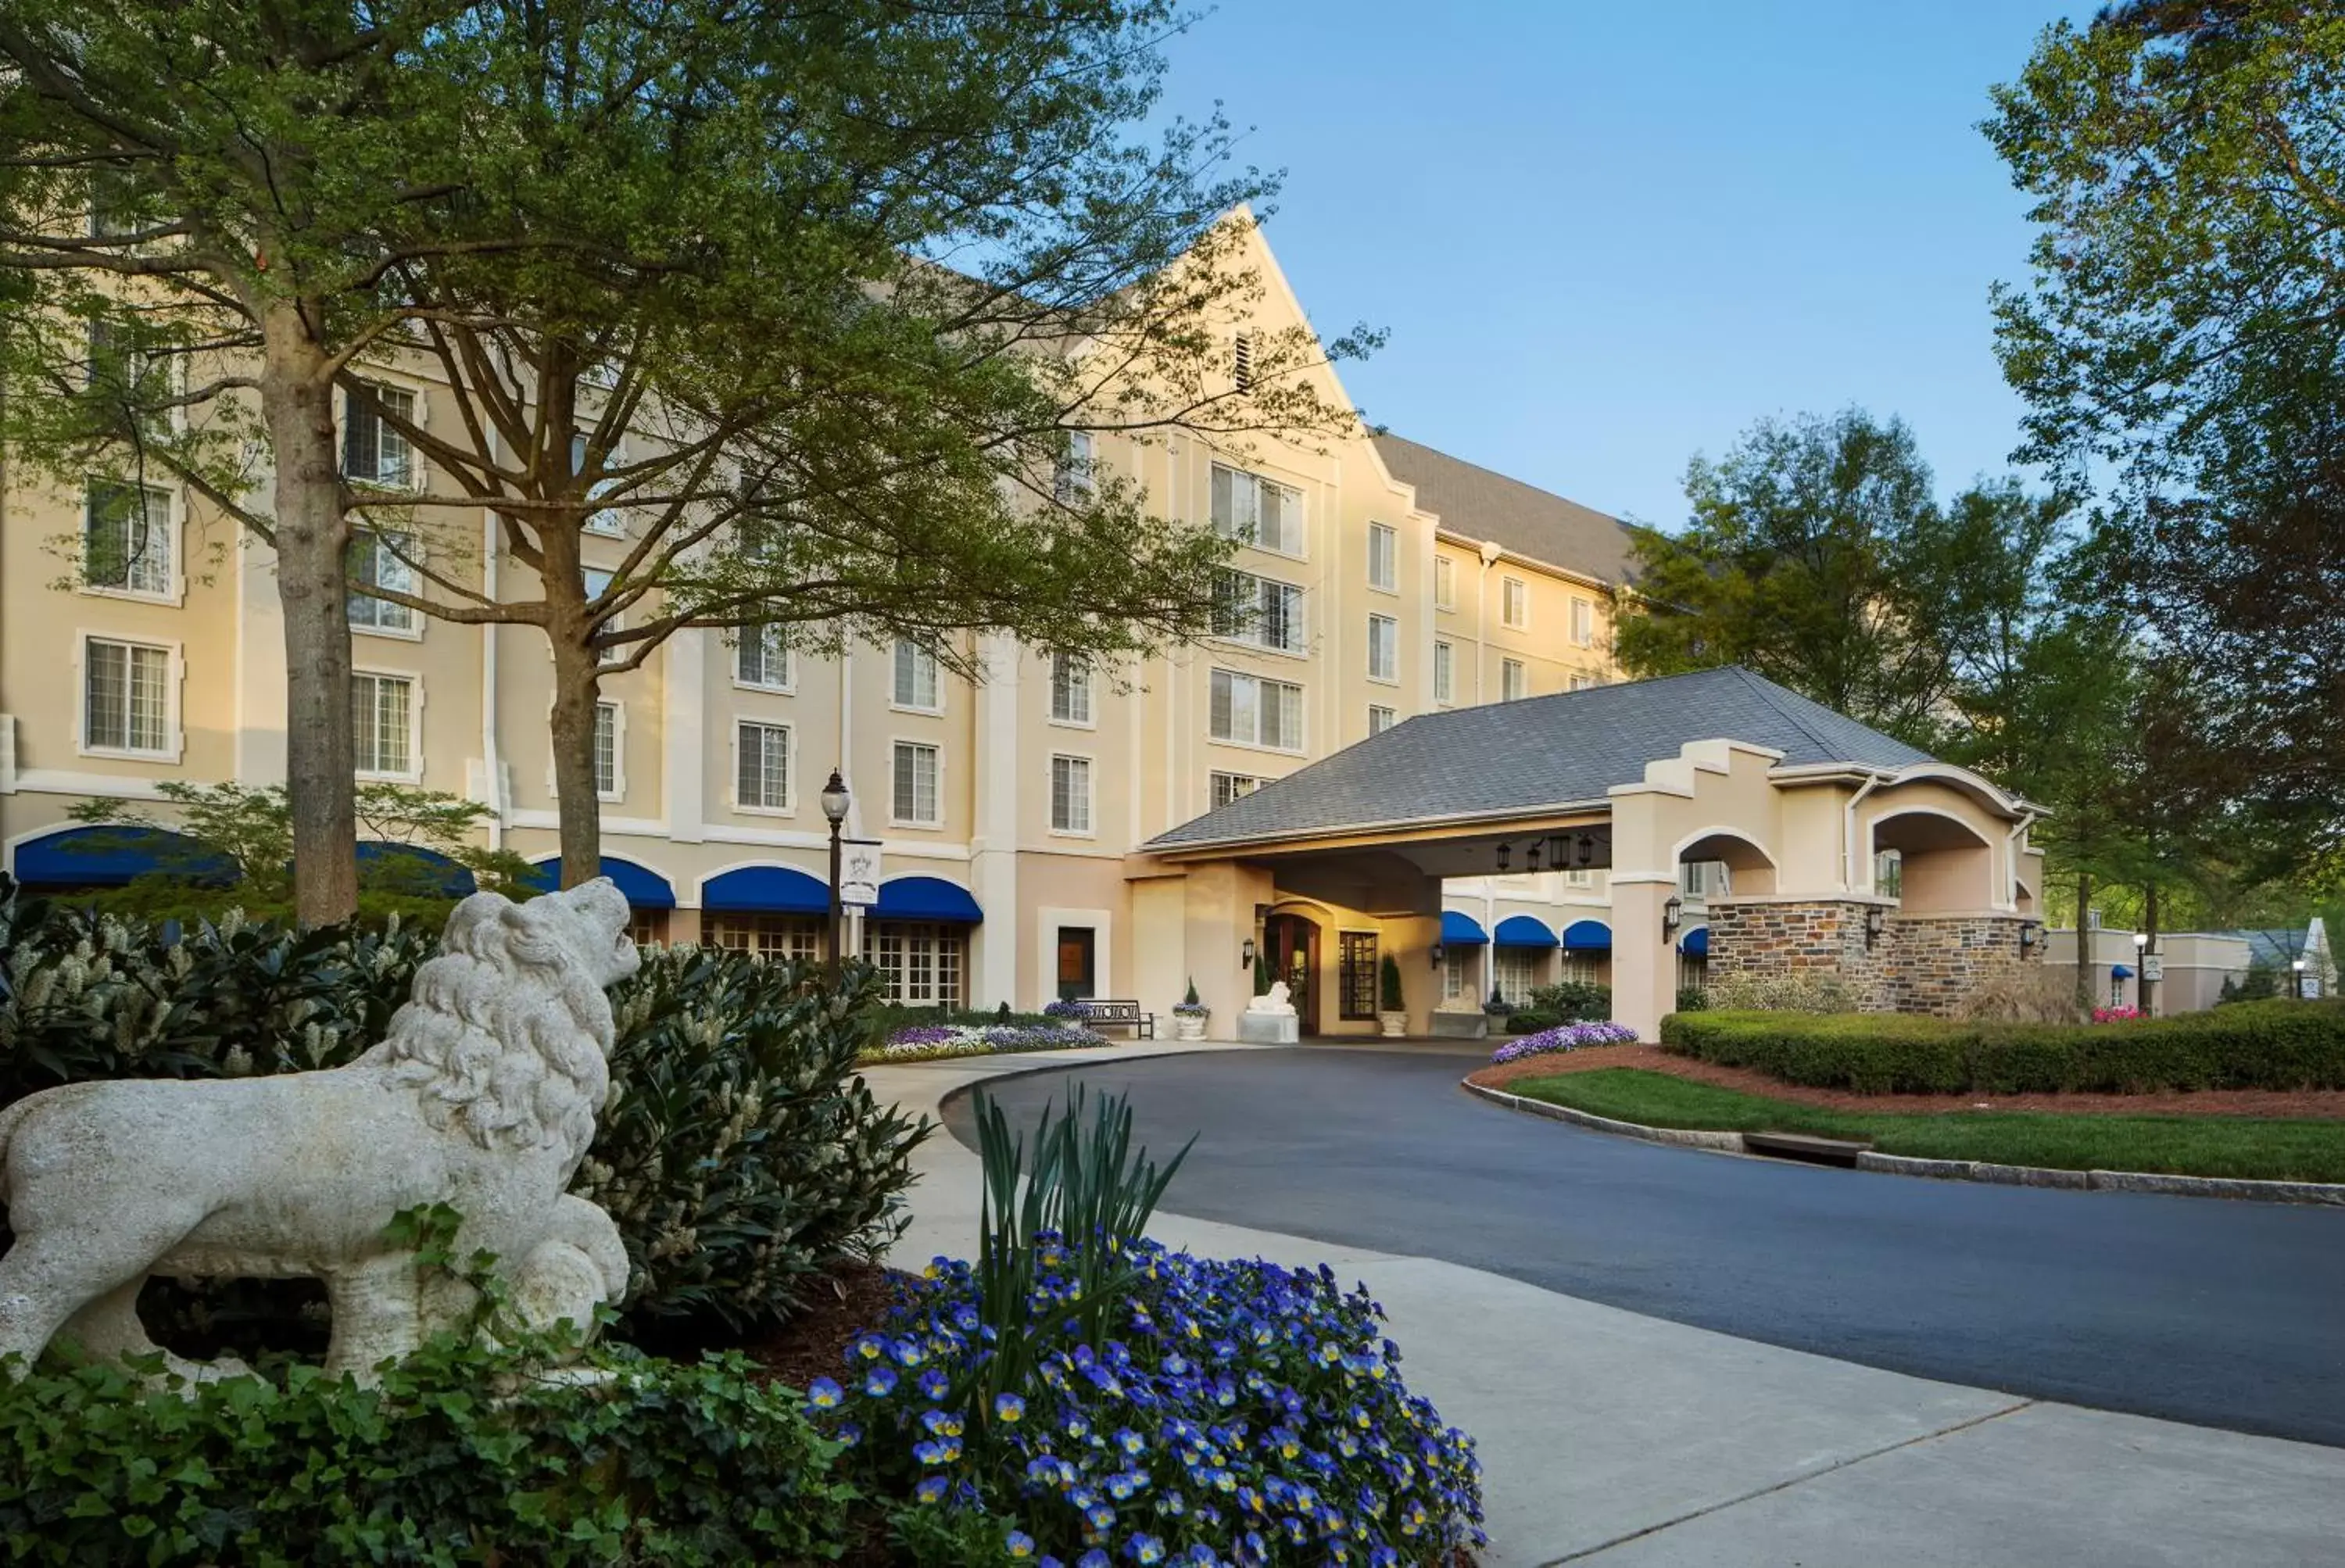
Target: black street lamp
(835,802)
(2296,966)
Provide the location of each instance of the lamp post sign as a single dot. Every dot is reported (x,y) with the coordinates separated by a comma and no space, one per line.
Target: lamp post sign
(2153,967)
(859,872)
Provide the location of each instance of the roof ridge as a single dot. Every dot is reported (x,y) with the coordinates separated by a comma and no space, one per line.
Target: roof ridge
(1767,689)
(1501,474)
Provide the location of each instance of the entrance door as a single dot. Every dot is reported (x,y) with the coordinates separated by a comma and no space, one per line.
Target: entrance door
(1077,958)
(1293,943)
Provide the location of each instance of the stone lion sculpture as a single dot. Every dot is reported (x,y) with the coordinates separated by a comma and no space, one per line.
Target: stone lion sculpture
(482,1096)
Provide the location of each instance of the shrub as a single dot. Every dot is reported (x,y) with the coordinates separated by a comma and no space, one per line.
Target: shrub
(1565,1037)
(1692,999)
(1389,981)
(1530,1021)
(2023,993)
(2284,1045)
(1743,992)
(461,1455)
(1574,1001)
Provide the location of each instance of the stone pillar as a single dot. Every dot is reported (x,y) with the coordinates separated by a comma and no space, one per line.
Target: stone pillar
(1936,961)
(1814,938)
(1644,958)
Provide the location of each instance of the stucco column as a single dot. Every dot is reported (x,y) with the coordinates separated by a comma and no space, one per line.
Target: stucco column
(1644,963)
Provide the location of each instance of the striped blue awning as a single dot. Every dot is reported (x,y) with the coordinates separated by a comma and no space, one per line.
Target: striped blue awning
(772,890)
(926,898)
(644,888)
(1524,931)
(1461,930)
(1588,936)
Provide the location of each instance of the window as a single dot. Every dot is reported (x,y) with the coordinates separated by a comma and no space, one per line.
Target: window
(1381,720)
(1512,682)
(764,657)
(1889,873)
(1259,610)
(1444,672)
(1580,682)
(373,451)
(915,676)
(126,697)
(794,938)
(1702,878)
(761,767)
(1071,483)
(1583,622)
(1384,558)
(1460,979)
(382,719)
(1262,512)
(1517,973)
(1242,361)
(1445,583)
(1384,649)
(127,538)
(1071,689)
(1355,981)
(1515,602)
(609,520)
(133,380)
(606,748)
(922,962)
(1229,786)
(1580,968)
(1581,878)
(597,583)
(1071,794)
(1255,711)
(915,783)
(381,560)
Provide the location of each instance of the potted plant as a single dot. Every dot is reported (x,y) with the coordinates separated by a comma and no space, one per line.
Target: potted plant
(1188,1016)
(1496,1009)
(1394,1016)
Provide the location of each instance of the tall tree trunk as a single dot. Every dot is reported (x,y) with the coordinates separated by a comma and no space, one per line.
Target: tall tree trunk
(577,803)
(313,542)
(2084,997)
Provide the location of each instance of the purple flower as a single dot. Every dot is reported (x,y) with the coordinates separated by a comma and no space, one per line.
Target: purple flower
(1564,1037)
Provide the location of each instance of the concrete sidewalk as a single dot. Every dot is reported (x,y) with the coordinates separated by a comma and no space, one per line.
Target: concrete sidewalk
(1629,1442)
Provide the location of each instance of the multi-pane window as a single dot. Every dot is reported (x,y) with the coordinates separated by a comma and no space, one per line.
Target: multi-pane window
(1445,673)
(1581,681)
(763,658)
(382,721)
(1258,712)
(1703,878)
(1512,681)
(797,938)
(763,782)
(606,748)
(1581,878)
(1461,978)
(1071,483)
(373,453)
(1517,973)
(382,561)
(1071,794)
(1262,512)
(915,676)
(1515,602)
(1229,786)
(1355,979)
(1383,557)
(1384,649)
(608,519)
(1583,622)
(597,583)
(140,384)
(1259,610)
(1888,874)
(125,537)
(922,963)
(126,697)
(1445,583)
(1071,689)
(1381,719)
(915,783)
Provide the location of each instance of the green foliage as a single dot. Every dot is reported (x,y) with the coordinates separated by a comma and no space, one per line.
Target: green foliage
(1531,1020)
(1744,991)
(1692,999)
(2259,983)
(461,1455)
(1388,984)
(2284,1045)
(1574,1001)
(885,1018)
(1190,998)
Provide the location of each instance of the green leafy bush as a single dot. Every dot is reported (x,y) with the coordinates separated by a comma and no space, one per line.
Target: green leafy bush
(2284,1045)
(1531,1020)
(1692,999)
(1388,982)
(1574,1001)
(1742,992)
(460,1456)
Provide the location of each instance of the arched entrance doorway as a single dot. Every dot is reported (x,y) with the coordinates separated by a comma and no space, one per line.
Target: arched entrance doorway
(1291,941)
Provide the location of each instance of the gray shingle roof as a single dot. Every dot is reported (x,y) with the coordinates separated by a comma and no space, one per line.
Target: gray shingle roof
(1523,518)
(1539,753)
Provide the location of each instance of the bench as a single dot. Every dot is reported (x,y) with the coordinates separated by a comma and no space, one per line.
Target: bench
(1119,1015)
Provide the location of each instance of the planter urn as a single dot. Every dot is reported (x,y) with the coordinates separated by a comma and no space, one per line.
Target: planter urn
(1395,1025)
(1188,1026)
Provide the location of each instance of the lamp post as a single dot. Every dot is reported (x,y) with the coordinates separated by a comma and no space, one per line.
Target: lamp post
(835,802)
(2295,967)
(2140,964)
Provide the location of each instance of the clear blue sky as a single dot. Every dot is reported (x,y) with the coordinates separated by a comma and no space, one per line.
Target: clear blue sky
(1605,235)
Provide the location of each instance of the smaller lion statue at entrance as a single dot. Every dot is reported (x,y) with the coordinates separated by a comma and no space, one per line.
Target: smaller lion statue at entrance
(482,1096)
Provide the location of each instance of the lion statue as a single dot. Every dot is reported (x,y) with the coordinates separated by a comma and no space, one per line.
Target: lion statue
(482,1097)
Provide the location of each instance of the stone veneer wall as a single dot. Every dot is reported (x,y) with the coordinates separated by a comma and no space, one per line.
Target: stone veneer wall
(1935,960)
(1818,937)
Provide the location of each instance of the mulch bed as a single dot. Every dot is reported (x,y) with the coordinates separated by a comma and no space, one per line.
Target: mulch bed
(813,1344)
(2310,1104)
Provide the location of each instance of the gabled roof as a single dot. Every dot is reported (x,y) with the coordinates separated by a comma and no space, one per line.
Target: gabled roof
(1479,504)
(1539,753)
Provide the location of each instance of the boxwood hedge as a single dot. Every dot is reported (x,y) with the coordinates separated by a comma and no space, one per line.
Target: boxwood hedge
(2281,1045)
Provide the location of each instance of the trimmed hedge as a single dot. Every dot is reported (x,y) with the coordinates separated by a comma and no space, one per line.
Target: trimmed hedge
(2282,1046)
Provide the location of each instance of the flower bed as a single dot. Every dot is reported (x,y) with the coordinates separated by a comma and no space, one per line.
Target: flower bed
(930,1041)
(2117,1014)
(1231,1412)
(1565,1037)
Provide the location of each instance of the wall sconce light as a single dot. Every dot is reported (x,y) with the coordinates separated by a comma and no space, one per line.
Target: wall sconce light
(1505,853)
(1536,845)
(1583,850)
(1876,919)
(2031,934)
(1439,957)
(1672,912)
(1245,954)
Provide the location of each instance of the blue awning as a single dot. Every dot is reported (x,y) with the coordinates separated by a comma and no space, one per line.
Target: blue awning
(411,865)
(2120,972)
(645,888)
(775,889)
(1524,931)
(1461,930)
(1695,943)
(926,898)
(1588,936)
(108,857)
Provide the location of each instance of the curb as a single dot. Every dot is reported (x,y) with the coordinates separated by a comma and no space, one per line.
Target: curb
(2233,1187)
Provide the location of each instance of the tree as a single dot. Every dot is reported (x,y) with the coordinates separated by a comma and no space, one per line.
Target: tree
(2181,337)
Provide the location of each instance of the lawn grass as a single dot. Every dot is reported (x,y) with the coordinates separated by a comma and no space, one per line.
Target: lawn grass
(2238,1146)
